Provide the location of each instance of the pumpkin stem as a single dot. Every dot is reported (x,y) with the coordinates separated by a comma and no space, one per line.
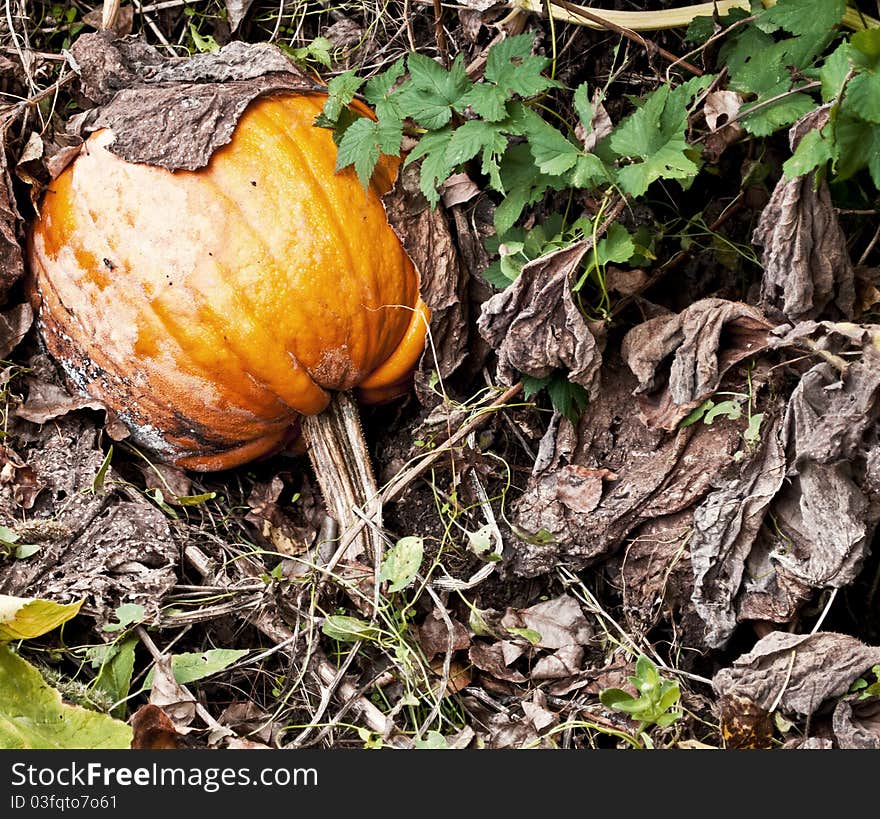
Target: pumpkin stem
(338,452)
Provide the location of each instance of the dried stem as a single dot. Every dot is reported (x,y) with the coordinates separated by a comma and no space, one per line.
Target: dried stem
(335,443)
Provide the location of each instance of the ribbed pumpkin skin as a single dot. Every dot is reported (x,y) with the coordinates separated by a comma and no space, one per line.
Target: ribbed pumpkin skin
(208,309)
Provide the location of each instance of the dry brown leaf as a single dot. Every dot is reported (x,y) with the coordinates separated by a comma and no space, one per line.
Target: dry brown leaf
(489,657)
(559,622)
(796,673)
(535,326)
(153,730)
(435,637)
(703,342)
(177,703)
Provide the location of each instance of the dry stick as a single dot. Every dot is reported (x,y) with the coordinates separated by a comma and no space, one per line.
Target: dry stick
(648,45)
(439,33)
(327,674)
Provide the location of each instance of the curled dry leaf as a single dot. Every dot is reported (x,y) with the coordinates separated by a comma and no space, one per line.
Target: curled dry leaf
(147,100)
(489,657)
(236,11)
(536,327)
(14,324)
(656,474)
(177,703)
(856,724)
(704,341)
(46,401)
(426,236)
(796,673)
(719,109)
(153,730)
(807,267)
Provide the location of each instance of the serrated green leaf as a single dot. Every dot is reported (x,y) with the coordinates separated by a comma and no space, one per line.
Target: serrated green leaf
(432,91)
(802,16)
(191,667)
(813,151)
(378,88)
(435,167)
(348,629)
(770,118)
(340,92)
(511,66)
(472,138)
(33,716)
(863,95)
(583,107)
(23,618)
(359,147)
(617,246)
(858,146)
(487,101)
(567,397)
(402,562)
(833,72)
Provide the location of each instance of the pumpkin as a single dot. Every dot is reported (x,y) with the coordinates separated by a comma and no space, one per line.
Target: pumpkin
(210,309)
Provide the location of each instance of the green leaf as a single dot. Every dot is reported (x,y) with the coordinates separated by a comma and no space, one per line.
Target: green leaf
(33,716)
(511,66)
(696,414)
(865,48)
(770,118)
(433,741)
(753,430)
(528,634)
(340,92)
(114,676)
(25,550)
(802,16)
(729,409)
(863,95)
(402,562)
(858,146)
(348,629)
(23,618)
(569,398)
(654,134)
(476,137)
(126,615)
(436,168)
(190,667)
(617,246)
(833,72)
(813,151)
(359,146)
(553,153)
(583,107)
(378,88)
(487,101)
(432,90)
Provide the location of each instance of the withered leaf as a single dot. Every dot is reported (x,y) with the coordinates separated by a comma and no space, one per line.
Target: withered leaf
(426,236)
(47,401)
(14,324)
(435,636)
(148,100)
(561,664)
(856,725)
(535,326)
(559,622)
(153,730)
(705,340)
(489,657)
(176,702)
(796,673)
(725,527)
(236,11)
(807,267)
(744,724)
(656,475)
(11,260)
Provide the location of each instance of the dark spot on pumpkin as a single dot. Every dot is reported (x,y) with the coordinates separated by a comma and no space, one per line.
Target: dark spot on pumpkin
(254,182)
(108,264)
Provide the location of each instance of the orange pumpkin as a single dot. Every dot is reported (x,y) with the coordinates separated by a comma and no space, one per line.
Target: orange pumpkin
(208,309)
